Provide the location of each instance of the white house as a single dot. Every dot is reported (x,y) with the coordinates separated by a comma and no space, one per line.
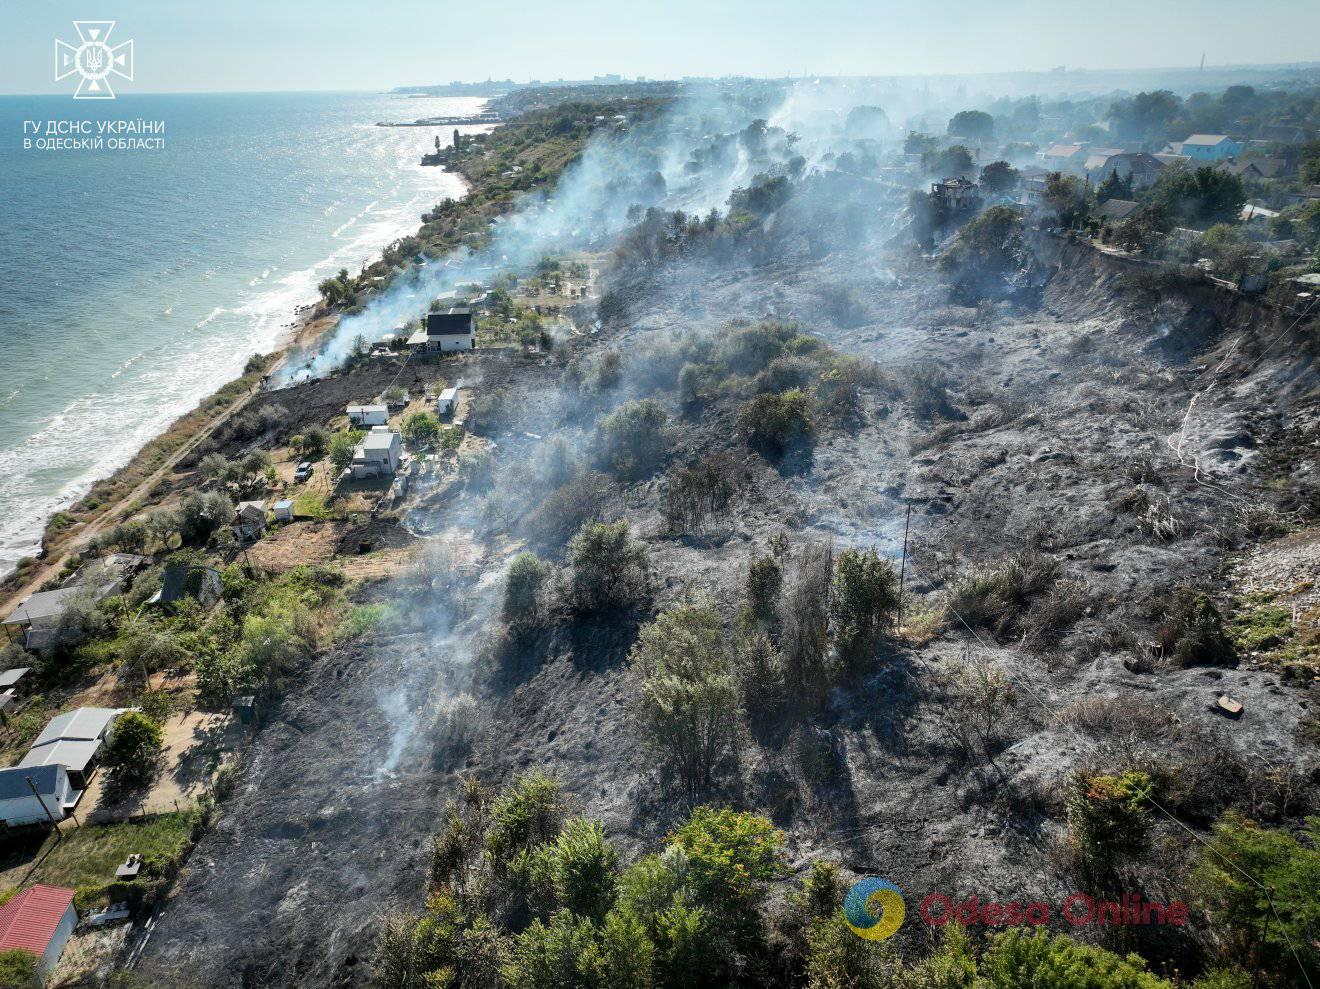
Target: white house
(449,329)
(1062,157)
(53,799)
(1210,147)
(368,415)
(73,740)
(378,453)
(447,400)
(39,920)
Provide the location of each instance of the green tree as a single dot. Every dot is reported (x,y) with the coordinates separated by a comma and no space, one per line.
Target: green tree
(583,869)
(949,162)
(632,441)
(999,177)
(18,969)
(523,588)
(203,513)
(731,859)
(342,446)
(863,601)
(689,697)
(1114,187)
(973,124)
(420,430)
(1065,196)
(1204,196)
(133,752)
(774,421)
(1242,913)
(607,567)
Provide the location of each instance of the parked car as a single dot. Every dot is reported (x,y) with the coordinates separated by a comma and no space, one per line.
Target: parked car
(302,472)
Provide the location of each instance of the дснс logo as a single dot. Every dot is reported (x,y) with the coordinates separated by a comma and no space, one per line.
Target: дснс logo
(94,60)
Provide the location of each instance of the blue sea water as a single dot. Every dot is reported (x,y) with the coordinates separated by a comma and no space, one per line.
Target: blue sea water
(135,282)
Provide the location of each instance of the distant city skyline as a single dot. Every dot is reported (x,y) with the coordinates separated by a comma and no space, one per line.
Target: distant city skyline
(245,45)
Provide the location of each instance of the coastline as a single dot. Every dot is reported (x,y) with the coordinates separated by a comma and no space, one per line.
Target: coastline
(311,321)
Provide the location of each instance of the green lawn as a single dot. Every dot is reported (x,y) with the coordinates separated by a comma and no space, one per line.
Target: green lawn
(87,856)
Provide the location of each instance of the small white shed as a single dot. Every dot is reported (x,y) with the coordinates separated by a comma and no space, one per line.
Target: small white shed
(368,415)
(446,402)
(284,510)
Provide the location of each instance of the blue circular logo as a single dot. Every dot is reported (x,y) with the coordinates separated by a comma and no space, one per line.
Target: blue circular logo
(874,908)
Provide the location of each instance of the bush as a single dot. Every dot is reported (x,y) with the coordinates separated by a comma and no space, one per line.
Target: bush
(523,587)
(773,422)
(563,512)
(342,445)
(608,568)
(1241,914)
(633,441)
(698,494)
(81,620)
(732,857)
(977,698)
(805,614)
(689,701)
(765,581)
(18,969)
(1107,818)
(133,752)
(1018,958)
(530,813)
(201,514)
(420,430)
(583,869)
(863,601)
(996,597)
(1192,632)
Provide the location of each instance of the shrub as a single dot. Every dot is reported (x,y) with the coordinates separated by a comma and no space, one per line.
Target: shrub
(80,621)
(927,389)
(583,869)
(315,442)
(420,429)
(133,752)
(1241,914)
(864,598)
(1192,632)
(523,588)
(732,857)
(1017,958)
(997,596)
(564,511)
(765,581)
(342,445)
(156,705)
(697,494)
(977,697)
(1107,817)
(688,697)
(530,813)
(773,422)
(749,349)
(201,514)
(608,568)
(759,666)
(18,969)
(633,441)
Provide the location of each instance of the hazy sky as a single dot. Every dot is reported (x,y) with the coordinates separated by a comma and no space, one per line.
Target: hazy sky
(206,45)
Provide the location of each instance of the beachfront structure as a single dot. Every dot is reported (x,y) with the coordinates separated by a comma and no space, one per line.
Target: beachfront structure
(378,454)
(448,329)
(446,402)
(368,415)
(32,624)
(39,920)
(178,583)
(35,795)
(74,740)
(1210,147)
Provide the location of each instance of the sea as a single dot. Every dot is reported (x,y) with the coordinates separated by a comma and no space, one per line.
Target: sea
(135,281)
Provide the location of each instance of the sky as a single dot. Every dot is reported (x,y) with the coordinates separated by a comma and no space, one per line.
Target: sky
(267,45)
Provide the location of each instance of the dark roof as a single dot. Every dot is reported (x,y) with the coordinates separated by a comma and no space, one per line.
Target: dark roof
(13,782)
(175,585)
(1117,209)
(455,319)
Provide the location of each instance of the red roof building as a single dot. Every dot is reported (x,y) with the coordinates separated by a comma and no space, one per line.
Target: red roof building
(39,919)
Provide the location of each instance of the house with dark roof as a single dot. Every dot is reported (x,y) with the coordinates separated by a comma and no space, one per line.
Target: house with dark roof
(1116,210)
(1259,168)
(249,521)
(39,920)
(178,583)
(445,330)
(1144,169)
(35,795)
(33,622)
(1282,134)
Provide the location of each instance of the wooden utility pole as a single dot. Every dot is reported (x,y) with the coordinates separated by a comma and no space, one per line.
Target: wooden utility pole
(55,824)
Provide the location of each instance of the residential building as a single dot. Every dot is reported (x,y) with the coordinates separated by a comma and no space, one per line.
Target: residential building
(178,583)
(249,521)
(1116,210)
(74,740)
(446,402)
(1063,157)
(449,329)
(956,194)
(1202,148)
(39,920)
(116,568)
(35,795)
(1282,134)
(11,685)
(368,415)
(1142,168)
(32,624)
(1252,213)
(1096,158)
(1259,168)
(378,454)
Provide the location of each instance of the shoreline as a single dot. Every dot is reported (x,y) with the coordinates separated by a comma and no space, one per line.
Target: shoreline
(310,322)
